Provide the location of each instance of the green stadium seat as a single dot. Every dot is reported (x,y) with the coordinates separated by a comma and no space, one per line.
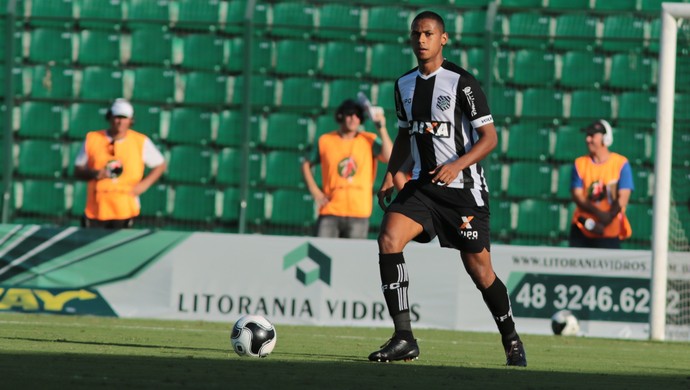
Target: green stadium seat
(651,5)
(528,142)
(230,129)
(51,82)
(202,51)
(502,101)
(50,45)
(680,190)
(154,202)
(588,105)
(534,68)
(100,14)
(287,131)
(538,219)
(681,147)
(262,92)
(529,180)
(284,169)
(681,112)
(568,5)
(41,198)
(262,55)
(193,203)
(147,120)
(99,48)
(79,192)
(293,19)
(326,123)
(683,72)
(387,24)
(521,3)
(200,15)
(236,10)
(100,83)
(575,31)
(341,89)
(565,173)
(292,208)
(40,120)
(151,45)
(376,217)
(340,21)
(302,92)
(570,143)
(152,84)
(40,158)
(344,59)
(622,33)
(642,177)
(385,95)
(582,69)
(615,5)
(472,32)
(189,164)
(297,57)
(528,30)
(18,46)
(474,62)
(205,88)
(51,13)
(493,172)
(542,104)
(640,216)
(190,125)
(631,143)
(230,167)
(390,60)
(637,107)
(654,35)
(73,149)
(146,12)
(256,207)
(501,218)
(632,71)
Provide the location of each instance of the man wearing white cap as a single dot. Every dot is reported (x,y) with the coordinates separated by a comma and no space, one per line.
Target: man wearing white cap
(113,161)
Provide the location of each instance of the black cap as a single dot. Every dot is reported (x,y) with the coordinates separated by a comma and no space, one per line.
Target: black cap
(595,127)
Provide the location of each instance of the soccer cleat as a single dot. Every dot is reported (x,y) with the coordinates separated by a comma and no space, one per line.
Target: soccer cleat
(515,354)
(396,349)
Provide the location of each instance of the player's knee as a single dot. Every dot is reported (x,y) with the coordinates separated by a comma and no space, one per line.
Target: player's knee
(389,243)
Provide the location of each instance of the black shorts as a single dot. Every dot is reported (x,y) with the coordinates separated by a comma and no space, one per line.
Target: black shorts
(451,214)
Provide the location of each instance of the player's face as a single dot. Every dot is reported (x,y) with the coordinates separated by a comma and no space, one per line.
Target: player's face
(427,40)
(119,124)
(351,122)
(595,142)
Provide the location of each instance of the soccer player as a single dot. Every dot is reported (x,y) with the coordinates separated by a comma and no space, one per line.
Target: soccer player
(446,128)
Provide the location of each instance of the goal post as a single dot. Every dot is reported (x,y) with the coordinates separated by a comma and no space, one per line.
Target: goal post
(671,13)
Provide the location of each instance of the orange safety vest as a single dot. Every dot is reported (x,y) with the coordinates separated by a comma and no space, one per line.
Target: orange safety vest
(600,182)
(348,171)
(112,199)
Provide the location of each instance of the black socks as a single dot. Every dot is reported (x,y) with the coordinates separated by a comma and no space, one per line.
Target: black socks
(394,283)
(496,299)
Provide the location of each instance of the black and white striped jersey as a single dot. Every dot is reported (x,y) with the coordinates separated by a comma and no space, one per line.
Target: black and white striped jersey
(441,112)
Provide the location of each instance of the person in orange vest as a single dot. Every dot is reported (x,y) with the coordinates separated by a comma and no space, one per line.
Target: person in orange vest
(113,161)
(601,185)
(348,158)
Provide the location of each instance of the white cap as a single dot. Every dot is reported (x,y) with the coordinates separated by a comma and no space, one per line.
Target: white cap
(121,107)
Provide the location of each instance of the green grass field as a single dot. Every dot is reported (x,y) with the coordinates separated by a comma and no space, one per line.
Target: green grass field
(44,352)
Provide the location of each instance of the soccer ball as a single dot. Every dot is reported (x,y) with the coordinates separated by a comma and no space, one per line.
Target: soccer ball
(564,323)
(253,336)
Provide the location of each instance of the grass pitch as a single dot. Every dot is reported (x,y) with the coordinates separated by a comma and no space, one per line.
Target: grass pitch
(46,352)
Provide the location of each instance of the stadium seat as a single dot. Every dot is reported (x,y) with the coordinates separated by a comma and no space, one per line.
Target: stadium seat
(292,208)
(589,105)
(493,172)
(568,4)
(565,173)
(528,30)
(50,45)
(654,35)
(100,83)
(538,219)
(570,143)
(147,120)
(146,12)
(294,19)
(390,60)
(528,142)
(340,21)
(154,202)
(283,169)
(236,10)
(344,59)
(99,48)
(73,148)
(189,164)
(615,5)
(40,120)
(632,71)
(262,91)
(474,62)
(100,14)
(262,55)
(193,203)
(230,167)
(341,89)
(41,197)
(529,180)
(681,112)
(287,131)
(631,143)
(79,191)
(40,158)
(650,5)
(501,218)
(376,217)
(190,125)
(543,104)
(681,147)
(202,51)
(637,107)
(534,68)
(683,72)
(502,101)
(297,57)
(521,3)
(51,13)
(472,32)
(200,15)
(622,33)
(582,69)
(575,31)
(385,95)
(387,24)
(205,88)
(642,178)
(152,84)
(302,92)
(640,216)
(52,82)
(151,45)
(230,129)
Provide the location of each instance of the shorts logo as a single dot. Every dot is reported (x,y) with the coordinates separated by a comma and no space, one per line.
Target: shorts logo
(466,229)
(466,222)
(443,102)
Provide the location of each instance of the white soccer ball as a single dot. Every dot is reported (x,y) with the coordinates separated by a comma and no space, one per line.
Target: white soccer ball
(564,323)
(253,336)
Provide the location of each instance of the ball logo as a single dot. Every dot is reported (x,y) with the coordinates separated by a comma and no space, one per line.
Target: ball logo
(347,167)
(597,191)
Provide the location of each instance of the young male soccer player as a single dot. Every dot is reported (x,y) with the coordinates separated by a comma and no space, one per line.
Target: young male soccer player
(446,128)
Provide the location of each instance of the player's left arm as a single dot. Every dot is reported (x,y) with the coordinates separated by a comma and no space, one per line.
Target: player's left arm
(153,159)
(622,197)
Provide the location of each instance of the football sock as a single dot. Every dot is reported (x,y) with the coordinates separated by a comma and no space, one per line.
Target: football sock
(394,283)
(498,302)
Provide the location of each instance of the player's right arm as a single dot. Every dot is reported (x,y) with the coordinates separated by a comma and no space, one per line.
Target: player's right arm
(82,170)
(319,197)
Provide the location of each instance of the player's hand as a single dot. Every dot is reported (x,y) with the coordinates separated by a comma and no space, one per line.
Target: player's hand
(385,195)
(444,174)
(321,200)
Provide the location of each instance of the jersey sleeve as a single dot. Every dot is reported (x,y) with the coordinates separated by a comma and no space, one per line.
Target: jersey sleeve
(626,178)
(152,156)
(472,101)
(575,179)
(403,122)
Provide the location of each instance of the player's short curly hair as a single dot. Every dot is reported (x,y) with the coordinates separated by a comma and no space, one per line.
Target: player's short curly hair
(430,15)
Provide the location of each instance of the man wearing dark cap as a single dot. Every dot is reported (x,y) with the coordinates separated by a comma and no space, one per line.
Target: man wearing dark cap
(601,185)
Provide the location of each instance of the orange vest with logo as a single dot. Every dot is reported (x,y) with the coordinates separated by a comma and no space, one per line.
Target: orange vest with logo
(600,183)
(348,171)
(112,199)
